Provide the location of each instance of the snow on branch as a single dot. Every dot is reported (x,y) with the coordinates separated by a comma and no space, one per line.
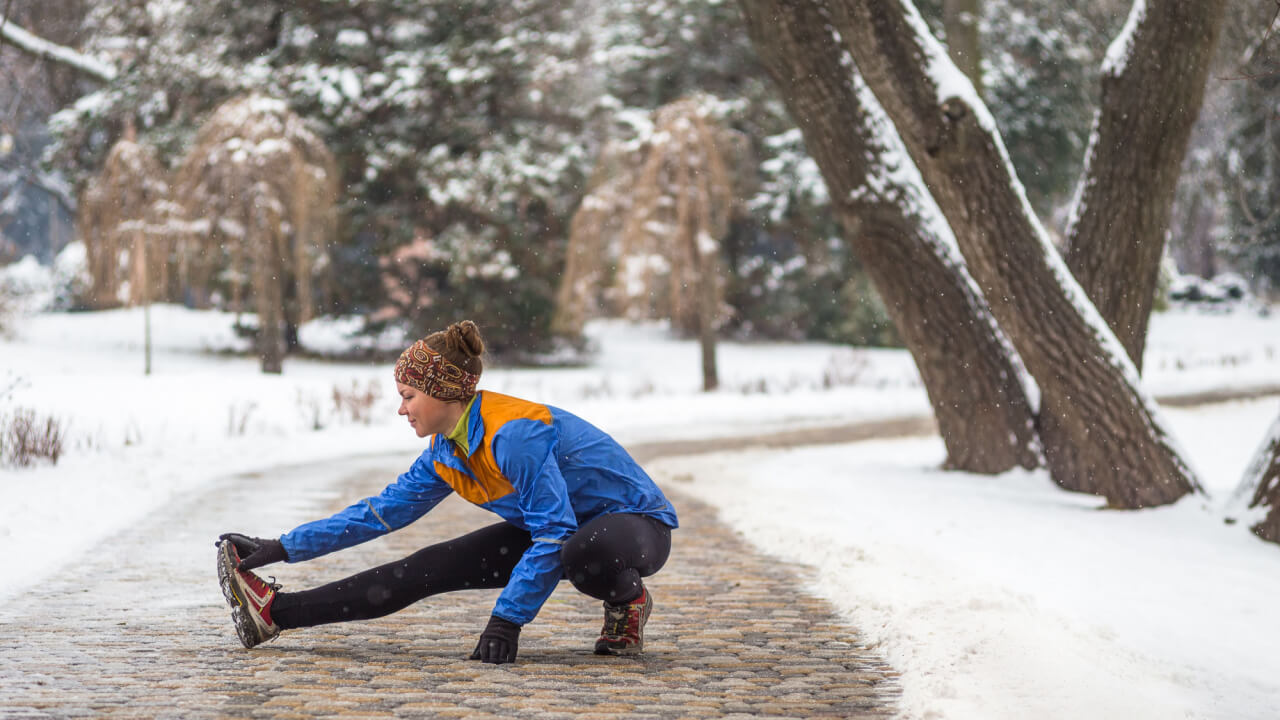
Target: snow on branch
(42,48)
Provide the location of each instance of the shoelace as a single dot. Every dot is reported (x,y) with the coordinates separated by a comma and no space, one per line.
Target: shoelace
(275,586)
(617,619)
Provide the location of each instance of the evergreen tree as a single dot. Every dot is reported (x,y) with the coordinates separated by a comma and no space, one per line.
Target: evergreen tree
(455,121)
(1041,78)
(785,273)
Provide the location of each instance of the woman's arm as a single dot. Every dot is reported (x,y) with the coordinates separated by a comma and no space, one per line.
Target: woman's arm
(525,452)
(410,497)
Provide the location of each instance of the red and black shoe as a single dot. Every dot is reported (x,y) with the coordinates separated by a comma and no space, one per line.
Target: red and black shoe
(249,596)
(623,631)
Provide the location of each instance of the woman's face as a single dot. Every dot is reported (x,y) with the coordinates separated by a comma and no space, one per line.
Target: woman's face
(426,414)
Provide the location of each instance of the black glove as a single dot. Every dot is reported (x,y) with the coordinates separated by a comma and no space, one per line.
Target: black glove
(498,642)
(255,552)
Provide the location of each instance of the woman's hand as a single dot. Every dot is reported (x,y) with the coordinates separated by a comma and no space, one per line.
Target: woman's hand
(255,552)
(498,643)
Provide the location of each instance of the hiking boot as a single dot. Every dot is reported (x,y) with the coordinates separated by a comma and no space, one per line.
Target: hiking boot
(623,631)
(249,596)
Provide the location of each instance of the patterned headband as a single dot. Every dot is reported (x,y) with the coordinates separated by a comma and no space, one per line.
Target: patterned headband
(427,370)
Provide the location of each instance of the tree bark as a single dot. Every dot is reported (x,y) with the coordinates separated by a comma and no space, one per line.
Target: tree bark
(1100,431)
(1260,488)
(970,372)
(1151,97)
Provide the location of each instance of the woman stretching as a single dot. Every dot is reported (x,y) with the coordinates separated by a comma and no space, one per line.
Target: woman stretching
(574,505)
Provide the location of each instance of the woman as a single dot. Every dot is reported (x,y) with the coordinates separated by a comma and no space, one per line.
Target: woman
(574,505)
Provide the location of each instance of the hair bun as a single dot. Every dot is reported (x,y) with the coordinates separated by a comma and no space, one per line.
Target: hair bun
(465,337)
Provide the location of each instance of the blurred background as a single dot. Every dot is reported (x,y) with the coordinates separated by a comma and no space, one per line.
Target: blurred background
(412,163)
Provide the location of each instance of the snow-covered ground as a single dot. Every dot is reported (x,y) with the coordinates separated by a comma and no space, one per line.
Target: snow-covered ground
(1004,597)
(997,597)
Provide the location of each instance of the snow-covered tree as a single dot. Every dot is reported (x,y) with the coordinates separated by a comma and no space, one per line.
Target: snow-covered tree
(36,206)
(1040,79)
(1259,491)
(658,215)
(1100,431)
(457,120)
(974,381)
(260,187)
(125,223)
(786,272)
(1153,82)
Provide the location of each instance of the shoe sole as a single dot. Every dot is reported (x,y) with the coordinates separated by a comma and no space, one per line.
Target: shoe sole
(620,652)
(246,630)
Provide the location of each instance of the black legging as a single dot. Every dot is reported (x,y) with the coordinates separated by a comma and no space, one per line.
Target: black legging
(605,559)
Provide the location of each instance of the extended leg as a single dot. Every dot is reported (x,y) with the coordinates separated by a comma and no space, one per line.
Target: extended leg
(481,559)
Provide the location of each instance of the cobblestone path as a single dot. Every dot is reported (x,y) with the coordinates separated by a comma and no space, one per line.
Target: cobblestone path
(139,629)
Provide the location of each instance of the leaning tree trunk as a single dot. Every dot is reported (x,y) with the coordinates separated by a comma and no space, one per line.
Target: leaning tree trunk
(1152,88)
(972,375)
(1260,489)
(1101,433)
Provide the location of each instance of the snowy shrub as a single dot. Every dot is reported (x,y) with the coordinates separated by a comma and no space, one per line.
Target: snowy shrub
(1225,291)
(70,284)
(28,287)
(1231,286)
(24,288)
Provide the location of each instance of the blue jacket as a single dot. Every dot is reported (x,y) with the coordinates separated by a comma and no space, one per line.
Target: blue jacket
(538,467)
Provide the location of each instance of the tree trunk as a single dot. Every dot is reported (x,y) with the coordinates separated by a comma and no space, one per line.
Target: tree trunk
(1261,485)
(1100,431)
(971,373)
(260,235)
(142,276)
(270,315)
(708,308)
(1151,97)
(960,21)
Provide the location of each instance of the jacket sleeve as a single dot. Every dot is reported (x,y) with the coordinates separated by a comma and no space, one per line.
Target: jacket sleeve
(526,453)
(410,497)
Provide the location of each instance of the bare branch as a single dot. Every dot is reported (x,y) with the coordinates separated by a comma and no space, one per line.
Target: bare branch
(1253,51)
(41,48)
